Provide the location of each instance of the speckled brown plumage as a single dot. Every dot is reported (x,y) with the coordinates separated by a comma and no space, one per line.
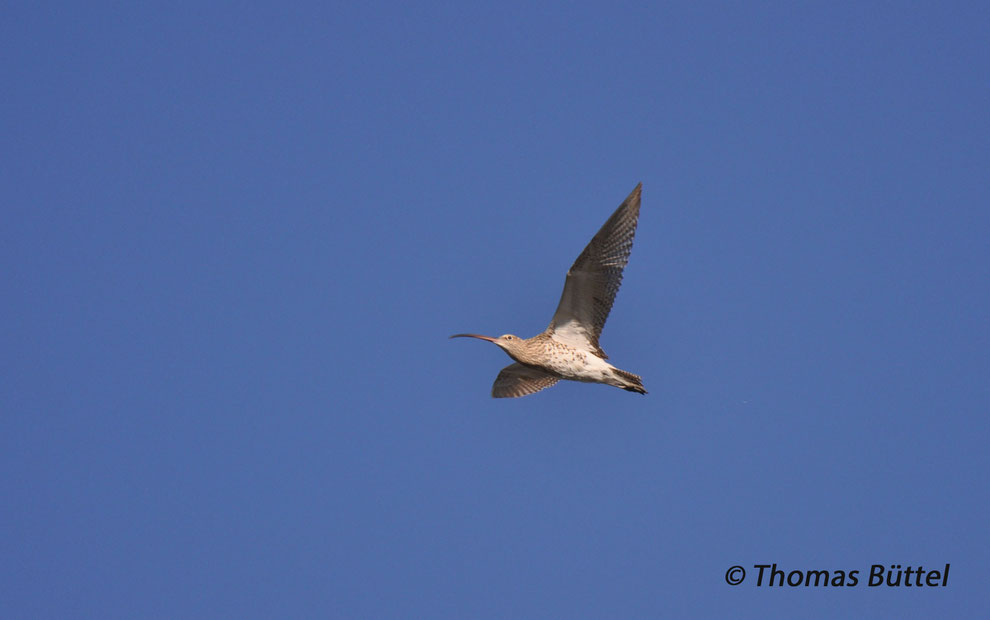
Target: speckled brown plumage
(519,380)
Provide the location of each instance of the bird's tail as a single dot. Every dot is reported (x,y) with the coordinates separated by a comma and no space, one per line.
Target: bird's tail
(628,381)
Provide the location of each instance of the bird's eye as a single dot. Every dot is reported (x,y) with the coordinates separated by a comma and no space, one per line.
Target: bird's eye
(508,337)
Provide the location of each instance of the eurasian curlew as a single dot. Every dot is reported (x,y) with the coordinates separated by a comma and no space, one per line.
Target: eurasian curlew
(569,349)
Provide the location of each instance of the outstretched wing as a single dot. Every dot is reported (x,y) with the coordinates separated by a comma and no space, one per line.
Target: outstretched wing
(594,279)
(517,380)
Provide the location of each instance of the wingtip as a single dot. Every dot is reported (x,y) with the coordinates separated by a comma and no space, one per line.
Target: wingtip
(633,199)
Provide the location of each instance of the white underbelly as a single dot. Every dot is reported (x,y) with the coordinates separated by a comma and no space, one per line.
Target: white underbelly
(581,366)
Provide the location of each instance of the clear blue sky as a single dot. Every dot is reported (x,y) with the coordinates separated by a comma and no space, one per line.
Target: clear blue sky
(234,239)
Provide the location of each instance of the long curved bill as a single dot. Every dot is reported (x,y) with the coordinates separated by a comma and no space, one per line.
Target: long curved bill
(478,336)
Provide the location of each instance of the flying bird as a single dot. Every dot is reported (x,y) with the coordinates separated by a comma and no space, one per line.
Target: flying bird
(568,348)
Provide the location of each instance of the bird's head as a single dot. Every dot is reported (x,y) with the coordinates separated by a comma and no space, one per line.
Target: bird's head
(506,342)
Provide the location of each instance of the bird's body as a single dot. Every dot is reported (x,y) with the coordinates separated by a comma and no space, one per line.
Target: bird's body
(569,349)
(562,360)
